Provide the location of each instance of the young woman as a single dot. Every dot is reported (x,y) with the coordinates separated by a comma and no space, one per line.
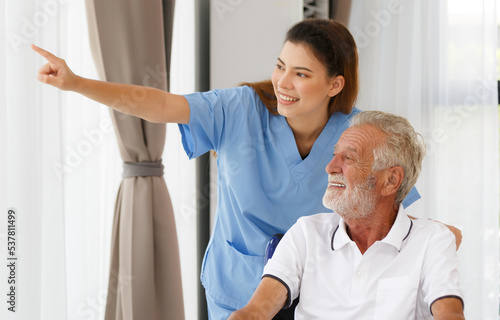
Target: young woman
(273,141)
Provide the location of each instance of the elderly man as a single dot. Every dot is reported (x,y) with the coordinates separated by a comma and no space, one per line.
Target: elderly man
(369,260)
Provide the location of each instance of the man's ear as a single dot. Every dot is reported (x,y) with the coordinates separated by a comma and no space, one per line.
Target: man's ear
(393,177)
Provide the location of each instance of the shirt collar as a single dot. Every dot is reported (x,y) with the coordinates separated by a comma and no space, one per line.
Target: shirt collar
(340,237)
(400,229)
(396,236)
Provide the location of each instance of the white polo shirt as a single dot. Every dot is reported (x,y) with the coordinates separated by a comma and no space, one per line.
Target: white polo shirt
(398,277)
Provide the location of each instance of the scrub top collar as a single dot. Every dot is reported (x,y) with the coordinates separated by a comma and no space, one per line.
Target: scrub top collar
(301,168)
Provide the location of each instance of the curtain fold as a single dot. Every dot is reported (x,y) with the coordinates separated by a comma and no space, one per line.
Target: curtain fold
(145,278)
(434,63)
(53,144)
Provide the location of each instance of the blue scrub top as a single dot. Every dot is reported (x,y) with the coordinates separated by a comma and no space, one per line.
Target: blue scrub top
(263,184)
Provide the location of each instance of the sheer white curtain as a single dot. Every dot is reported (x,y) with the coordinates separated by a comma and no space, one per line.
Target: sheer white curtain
(180,174)
(434,62)
(59,168)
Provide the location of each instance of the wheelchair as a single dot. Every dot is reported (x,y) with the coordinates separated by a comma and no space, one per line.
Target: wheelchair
(288,313)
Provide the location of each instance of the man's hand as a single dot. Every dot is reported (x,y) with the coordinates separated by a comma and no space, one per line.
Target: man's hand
(267,300)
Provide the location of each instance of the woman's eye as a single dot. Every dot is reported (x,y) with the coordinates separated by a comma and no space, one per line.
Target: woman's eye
(279,67)
(301,75)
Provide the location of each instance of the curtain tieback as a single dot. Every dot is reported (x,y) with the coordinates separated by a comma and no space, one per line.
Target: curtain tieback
(142,169)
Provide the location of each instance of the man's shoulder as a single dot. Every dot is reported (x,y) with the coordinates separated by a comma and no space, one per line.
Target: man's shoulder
(320,217)
(428,225)
(319,220)
(429,231)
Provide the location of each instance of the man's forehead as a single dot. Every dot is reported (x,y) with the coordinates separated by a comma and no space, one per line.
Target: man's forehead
(359,137)
(346,147)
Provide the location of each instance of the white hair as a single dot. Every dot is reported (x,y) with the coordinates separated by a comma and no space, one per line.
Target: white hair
(403,147)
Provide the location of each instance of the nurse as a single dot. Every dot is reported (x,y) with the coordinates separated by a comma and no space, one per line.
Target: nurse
(273,140)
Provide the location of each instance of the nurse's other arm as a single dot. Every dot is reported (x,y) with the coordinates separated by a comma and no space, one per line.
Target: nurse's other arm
(456,232)
(147,103)
(269,297)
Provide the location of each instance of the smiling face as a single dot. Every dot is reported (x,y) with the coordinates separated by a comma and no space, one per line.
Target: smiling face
(352,188)
(302,86)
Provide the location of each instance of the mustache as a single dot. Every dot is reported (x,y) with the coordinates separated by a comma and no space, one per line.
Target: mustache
(339,178)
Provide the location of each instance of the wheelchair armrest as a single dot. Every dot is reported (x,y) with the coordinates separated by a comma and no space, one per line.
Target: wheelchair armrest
(271,246)
(283,314)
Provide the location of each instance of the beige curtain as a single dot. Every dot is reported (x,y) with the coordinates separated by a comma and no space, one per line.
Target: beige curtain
(128,44)
(340,10)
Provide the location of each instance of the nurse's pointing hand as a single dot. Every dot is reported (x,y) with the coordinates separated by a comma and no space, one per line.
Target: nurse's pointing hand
(56,72)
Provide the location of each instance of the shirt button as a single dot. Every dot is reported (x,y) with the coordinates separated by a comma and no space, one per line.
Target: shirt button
(360,273)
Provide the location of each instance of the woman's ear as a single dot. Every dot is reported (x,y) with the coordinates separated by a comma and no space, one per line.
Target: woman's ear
(393,178)
(337,86)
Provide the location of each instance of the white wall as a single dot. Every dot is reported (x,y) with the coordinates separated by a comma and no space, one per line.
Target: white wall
(246,38)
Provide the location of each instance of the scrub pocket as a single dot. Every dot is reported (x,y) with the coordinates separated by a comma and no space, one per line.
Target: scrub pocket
(243,274)
(396,298)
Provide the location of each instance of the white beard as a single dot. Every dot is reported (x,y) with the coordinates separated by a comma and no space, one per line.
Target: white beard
(354,202)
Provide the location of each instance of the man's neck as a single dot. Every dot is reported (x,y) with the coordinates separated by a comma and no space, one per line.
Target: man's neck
(365,232)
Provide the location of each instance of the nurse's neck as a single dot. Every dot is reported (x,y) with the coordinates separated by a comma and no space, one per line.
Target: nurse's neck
(306,133)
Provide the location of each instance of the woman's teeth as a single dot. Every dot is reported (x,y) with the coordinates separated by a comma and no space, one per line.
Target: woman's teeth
(286,98)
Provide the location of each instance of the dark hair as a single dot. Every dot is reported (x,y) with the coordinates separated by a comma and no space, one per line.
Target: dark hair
(333,45)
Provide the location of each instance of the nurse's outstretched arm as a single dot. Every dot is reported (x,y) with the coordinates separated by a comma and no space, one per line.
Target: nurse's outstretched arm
(269,297)
(148,103)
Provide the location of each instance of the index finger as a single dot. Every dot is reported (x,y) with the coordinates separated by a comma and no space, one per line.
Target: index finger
(44,53)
